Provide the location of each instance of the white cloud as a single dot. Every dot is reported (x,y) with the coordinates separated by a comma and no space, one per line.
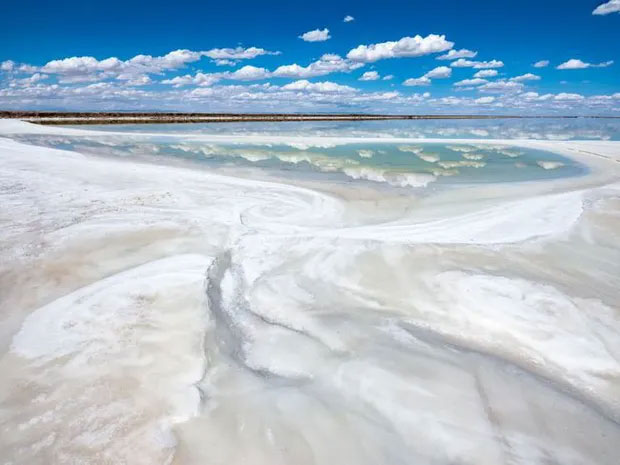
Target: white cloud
(526,77)
(320,87)
(249,73)
(225,62)
(348,18)
(87,68)
(318,35)
(82,78)
(29,80)
(200,79)
(501,86)
(173,60)
(441,72)
(82,65)
(327,64)
(570,97)
(369,76)
(140,80)
(485,73)
(8,65)
(389,77)
(245,73)
(238,53)
(471,82)
(405,47)
(574,63)
(462,63)
(613,6)
(454,54)
(24,68)
(541,64)
(422,81)
(265,97)
(484,100)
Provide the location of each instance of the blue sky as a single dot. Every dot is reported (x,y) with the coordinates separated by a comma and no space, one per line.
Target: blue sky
(254,56)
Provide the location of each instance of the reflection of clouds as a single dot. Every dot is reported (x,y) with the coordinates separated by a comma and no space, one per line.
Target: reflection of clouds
(390,177)
(462,163)
(207,149)
(403,165)
(549,165)
(462,148)
(410,148)
(365,153)
(539,128)
(473,156)
(429,157)
(322,161)
(512,153)
(445,172)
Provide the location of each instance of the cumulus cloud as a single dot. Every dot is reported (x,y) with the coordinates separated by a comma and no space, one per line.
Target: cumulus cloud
(249,73)
(200,79)
(140,80)
(484,100)
(225,62)
(541,64)
(471,82)
(369,76)
(28,80)
(82,65)
(389,77)
(8,65)
(327,64)
(320,87)
(90,69)
(570,97)
(454,54)
(348,19)
(318,35)
(441,72)
(525,77)
(405,47)
(612,6)
(574,63)
(87,68)
(238,53)
(297,97)
(421,81)
(485,73)
(501,86)
(462,63)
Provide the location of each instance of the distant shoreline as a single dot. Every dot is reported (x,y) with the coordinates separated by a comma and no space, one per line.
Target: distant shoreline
(56,117)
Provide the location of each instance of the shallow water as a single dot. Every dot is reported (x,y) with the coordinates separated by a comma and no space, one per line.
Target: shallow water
(397,164)
(510,128)
(366,307)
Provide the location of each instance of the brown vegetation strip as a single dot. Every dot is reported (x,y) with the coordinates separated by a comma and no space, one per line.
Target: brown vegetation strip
(52,117)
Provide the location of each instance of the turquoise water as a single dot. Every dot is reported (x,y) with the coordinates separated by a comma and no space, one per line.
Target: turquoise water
(396,164)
